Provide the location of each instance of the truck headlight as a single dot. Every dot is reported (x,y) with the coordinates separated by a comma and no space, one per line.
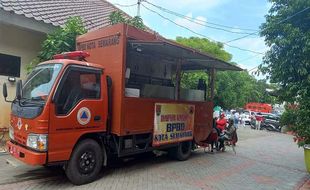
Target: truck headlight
(37,141)
(11,132)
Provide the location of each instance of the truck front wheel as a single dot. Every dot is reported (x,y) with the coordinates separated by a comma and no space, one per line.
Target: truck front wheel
(85,162)
(182,151)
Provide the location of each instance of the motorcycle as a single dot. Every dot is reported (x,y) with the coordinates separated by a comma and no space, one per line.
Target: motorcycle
(269,123)
(271,126)
(253,124)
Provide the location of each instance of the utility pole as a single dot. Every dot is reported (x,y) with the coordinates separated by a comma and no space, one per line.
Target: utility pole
(138,10)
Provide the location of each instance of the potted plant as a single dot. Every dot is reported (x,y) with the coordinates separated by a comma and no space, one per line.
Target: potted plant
(302,137)
(302,129)
(297,120)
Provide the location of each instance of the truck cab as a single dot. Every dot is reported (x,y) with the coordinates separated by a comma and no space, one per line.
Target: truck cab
(58,104)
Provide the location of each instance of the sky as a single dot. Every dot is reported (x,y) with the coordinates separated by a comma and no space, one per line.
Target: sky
(237,14)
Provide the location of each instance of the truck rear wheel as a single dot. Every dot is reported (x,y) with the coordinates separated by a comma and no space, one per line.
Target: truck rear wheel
(182,151)
(85,162)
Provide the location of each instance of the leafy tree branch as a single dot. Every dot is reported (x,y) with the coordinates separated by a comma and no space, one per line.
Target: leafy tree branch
(61,40)
(117,17)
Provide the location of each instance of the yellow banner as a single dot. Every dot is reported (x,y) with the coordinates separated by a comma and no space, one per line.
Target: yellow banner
(173,123)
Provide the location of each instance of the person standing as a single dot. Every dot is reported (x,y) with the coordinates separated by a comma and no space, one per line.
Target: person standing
(236,119)
(259,120)
(242,119)
(253,121)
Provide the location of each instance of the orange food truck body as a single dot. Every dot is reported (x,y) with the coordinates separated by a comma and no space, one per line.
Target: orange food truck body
(124,100)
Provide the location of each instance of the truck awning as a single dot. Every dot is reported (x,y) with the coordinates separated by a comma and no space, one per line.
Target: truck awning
(191,59)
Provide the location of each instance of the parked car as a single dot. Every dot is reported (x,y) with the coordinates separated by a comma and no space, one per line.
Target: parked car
(247,118)
(269,116)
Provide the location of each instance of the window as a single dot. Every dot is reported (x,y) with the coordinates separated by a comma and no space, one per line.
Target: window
(77,85)
(9,65)
(40,81)
(90,85)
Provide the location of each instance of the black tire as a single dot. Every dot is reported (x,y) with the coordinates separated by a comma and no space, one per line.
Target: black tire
(264,128)
(85,162)
(182,151)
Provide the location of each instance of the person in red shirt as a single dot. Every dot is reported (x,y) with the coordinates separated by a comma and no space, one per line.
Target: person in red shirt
(221,123)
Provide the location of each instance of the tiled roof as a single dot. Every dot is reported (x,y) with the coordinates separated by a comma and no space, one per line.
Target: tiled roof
(94,13)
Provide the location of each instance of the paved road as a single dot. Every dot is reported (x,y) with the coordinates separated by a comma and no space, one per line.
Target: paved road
(264,160)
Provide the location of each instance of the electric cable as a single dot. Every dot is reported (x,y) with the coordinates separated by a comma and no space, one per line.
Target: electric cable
(121,5)
(289,17)
(202,35)
(248,58)
(201,21)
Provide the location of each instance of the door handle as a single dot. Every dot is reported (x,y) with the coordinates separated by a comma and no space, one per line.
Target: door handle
(97,118)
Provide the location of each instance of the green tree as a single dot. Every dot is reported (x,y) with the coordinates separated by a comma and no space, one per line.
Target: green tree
(287,33)
(117,17)
(232,89)
(287,61)
(216,49)
(63,39)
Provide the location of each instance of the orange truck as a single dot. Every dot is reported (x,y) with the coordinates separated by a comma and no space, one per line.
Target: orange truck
(119,95)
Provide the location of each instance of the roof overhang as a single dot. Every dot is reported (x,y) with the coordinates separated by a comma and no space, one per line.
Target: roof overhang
(192,60)
(11,18)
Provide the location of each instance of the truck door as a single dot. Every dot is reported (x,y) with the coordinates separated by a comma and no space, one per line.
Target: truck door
(77,108)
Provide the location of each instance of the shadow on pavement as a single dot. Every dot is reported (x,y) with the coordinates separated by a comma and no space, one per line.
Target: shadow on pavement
(10,174)
(56,176)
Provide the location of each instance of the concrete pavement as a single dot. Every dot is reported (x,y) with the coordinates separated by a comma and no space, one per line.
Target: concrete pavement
(264,160)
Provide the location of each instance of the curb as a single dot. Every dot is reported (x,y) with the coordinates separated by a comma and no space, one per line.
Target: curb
(304,184)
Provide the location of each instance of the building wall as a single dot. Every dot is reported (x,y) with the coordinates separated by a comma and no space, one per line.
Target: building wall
(18,42)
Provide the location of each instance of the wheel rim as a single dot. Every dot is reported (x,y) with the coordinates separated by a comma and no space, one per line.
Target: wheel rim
(185,147)
(87,162)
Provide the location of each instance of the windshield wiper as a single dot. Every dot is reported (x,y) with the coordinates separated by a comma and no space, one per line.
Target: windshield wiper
(38,98)
(36,101)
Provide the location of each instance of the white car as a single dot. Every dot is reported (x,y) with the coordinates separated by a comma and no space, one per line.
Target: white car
(247,117)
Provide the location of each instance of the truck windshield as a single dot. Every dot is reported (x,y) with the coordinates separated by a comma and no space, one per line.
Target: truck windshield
(39,83)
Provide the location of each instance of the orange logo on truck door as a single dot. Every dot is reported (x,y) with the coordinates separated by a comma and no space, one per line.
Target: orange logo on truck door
(173,123)
(83,116)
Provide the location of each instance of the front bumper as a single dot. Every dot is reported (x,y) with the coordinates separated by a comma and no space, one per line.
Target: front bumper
(25,155)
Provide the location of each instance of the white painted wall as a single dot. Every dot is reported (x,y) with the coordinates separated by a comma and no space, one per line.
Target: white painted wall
(18,42)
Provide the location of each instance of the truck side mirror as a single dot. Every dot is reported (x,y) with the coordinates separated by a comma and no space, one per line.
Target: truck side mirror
(19,90)
(5,91)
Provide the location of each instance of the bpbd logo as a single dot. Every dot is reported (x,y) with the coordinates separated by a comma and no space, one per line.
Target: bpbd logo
(84,116)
